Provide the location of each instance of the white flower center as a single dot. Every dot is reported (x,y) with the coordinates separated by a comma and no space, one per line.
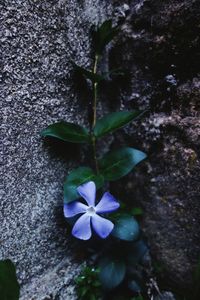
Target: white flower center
(91,211)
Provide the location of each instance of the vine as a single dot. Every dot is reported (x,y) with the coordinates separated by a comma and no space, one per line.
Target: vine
(117,247)
(121,245)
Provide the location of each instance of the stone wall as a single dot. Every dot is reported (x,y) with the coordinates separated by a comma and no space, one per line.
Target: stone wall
(38,41)
(158,45)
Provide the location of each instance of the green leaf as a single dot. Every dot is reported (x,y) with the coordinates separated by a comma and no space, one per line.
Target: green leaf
(114,72)
(89,74)
(138,298)
(126,228)
(9,287)
(78,177)
(66,131)
(114,121)
(136,252)
(134,286)
(197,271)
(117,164)
(137,211)
(102,35)
(112,272)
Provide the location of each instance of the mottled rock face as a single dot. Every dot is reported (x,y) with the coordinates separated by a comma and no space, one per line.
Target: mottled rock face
(159,46)
(38,40)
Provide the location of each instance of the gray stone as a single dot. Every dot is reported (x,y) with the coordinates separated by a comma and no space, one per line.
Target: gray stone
(38,41)
(159,46)
(165,296)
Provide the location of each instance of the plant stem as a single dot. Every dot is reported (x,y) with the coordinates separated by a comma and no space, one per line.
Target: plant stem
(94,154)
(95,92)
(95,86)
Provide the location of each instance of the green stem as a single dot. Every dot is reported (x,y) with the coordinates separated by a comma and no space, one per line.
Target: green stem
(95,86)
(94,153)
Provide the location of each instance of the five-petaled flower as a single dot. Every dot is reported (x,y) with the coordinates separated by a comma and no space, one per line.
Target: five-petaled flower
(82,228)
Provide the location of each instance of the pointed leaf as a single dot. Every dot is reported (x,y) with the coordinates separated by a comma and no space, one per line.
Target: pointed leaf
(112,272)
(89,74)
(78,177)
(114,121)
(134,286)
(9,287)
(117,164)
(126,228)
(114,73)
(136,252)
(102,35)
(66,131)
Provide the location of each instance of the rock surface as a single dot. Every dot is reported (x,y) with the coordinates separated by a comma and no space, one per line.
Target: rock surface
(159,46)
(38,41)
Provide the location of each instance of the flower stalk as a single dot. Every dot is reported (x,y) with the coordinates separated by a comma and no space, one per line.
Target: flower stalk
(95,87)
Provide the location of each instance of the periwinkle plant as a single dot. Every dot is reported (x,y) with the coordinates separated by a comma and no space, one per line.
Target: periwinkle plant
(124,241)
(115,164)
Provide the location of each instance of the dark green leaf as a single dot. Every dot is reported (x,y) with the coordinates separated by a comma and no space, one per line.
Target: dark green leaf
(78,177)
(117,164)
(137,211)
(89,74)
(138,298)
(9,287)
(112,272)
(66,131)
(126,228)
(114,121)
(114,73)
(102,35)
(88,284)
(197,271)
(136,252)
(134,286)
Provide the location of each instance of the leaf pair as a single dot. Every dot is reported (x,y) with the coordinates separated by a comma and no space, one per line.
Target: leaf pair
(112,166)
(97,78)
(88,74)
(78,134)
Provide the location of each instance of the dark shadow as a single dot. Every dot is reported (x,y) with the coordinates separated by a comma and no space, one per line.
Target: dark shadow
(62,150)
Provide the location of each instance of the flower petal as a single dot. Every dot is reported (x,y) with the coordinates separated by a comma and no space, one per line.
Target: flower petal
(74,208)
(82,228)
(88,192)
(102,226)
(107,204)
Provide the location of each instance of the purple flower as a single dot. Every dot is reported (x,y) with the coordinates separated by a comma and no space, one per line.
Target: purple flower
(82,228)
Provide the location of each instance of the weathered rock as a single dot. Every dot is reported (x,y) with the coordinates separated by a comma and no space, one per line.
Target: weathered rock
(38,41)
(165,296)
(159,46)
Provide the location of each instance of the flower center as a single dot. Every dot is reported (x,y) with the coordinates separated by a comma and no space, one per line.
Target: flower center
(91,210)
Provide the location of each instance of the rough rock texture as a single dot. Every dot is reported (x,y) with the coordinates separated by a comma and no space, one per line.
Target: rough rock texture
(165,296)
(159,45)
(38,40)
